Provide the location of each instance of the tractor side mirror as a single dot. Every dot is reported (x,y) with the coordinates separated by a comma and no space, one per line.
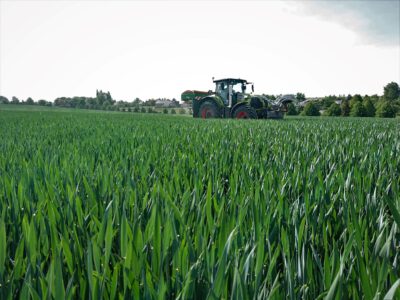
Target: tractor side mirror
(252,88)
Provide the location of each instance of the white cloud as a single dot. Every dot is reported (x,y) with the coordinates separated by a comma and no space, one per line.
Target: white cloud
(375,21)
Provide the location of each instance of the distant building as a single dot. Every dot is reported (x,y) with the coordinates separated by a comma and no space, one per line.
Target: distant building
(164,103)
(186,105)
(339,101)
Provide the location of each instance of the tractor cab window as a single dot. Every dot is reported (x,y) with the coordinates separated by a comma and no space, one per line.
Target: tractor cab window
(221,87)
(238,92)
(238,88)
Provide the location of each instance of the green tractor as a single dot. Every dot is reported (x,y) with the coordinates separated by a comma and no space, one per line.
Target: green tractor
(230,100)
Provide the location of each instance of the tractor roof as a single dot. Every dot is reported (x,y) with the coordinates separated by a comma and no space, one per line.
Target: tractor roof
(231,80)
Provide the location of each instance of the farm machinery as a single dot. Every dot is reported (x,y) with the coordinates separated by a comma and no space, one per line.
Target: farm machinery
(230,100)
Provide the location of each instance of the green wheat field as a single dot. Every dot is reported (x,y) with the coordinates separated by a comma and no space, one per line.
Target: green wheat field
(145,206)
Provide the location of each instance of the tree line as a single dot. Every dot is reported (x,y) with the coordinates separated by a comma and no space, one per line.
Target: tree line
(385,106)
(102,101)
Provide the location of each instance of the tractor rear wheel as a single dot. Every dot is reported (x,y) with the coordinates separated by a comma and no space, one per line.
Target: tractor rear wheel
(208,110)
(245,112)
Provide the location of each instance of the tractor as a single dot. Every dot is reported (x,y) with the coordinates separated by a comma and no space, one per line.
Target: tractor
(230,100)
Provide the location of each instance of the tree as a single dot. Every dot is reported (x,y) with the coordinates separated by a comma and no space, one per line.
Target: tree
(136,109)
(355,99)
(173,111)
(102,97)
(300,97)
(357,110)
(291,110)
(142,110)
(328,101)
(137,101)
(165,111)
(182,111)
(14,100)
(42,102)
(391,91)
(30,101)
(369,107)
(4,100)
(345,108)
(374,98)
(150,102)
(385,110)
(311,110)
(333,110)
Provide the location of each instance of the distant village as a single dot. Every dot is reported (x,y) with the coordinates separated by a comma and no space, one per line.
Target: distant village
(104,101)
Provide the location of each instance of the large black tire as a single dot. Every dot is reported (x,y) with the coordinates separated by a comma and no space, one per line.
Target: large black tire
(244,112)
(208,109)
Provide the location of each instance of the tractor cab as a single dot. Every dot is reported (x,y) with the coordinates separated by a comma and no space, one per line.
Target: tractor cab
(231,90)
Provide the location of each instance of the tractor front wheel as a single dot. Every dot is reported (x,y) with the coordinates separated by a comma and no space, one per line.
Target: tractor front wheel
(245,112)
(208,110)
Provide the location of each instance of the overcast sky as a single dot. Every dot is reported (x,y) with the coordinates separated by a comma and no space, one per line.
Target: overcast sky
(154,49)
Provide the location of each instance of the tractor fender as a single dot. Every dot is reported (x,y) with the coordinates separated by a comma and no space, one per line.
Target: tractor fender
(214,99)
(244,103)
(218,101)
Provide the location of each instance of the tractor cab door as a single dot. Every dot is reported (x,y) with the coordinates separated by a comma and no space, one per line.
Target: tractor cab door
(237,93)
(222,89)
